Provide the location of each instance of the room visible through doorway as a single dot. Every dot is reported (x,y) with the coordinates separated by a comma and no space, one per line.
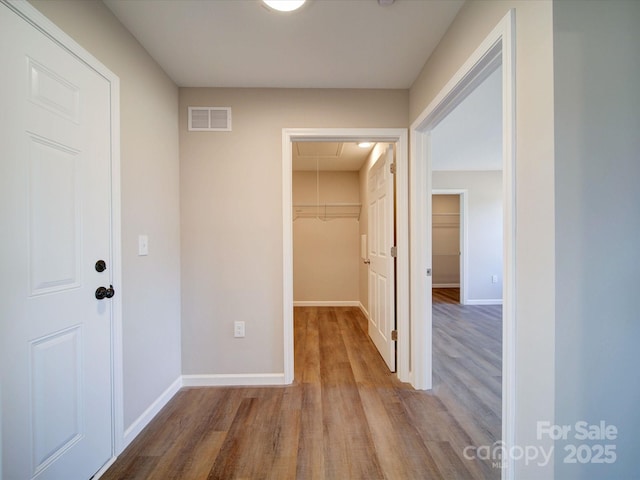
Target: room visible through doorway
(376,135)
(447,248)
(344,230)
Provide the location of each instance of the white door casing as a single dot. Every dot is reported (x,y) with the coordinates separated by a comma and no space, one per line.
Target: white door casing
(58,341)
(380,186)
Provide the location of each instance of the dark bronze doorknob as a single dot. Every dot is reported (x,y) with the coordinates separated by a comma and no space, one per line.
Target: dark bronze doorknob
(103,292)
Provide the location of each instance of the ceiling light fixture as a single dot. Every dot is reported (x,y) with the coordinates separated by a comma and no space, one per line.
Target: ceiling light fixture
(284,5)
(365,144)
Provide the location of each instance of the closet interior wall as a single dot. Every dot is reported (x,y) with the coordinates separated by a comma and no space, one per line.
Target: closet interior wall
(326,252)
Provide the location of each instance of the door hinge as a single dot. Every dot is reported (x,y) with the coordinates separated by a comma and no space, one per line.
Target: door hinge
(394,251)
(394,335)
(428,272)
(392,168)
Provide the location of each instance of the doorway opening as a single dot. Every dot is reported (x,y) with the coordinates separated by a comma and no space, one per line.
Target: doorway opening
(344,231)
(496,51)
(466,154)
(399,137)
(328,214)
(449,251)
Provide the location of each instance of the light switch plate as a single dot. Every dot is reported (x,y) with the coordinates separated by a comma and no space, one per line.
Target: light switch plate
(238,329)
(143,245)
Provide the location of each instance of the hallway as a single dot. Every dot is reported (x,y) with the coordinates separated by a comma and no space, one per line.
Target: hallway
(346,416)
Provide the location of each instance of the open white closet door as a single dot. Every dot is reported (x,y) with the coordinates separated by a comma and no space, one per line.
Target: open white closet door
(381,257)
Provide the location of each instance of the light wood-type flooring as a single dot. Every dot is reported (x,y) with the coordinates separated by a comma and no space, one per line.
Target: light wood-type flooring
(445,295)
(345,417)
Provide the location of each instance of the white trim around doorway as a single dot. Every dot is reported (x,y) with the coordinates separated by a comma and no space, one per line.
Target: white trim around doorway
(392,135)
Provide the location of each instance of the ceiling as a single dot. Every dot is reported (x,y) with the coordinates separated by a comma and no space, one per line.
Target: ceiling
(329,156)
(326,44)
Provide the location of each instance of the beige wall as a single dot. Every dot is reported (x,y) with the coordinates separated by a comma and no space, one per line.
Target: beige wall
(231,207)
(534,184)
(150,199)
(325,253)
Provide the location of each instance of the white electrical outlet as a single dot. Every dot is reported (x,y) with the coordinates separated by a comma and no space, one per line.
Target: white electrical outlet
(143,245)
(238,329)
(494,278)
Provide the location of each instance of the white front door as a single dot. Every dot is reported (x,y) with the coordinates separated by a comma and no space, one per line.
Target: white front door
(382,263)
(55,183)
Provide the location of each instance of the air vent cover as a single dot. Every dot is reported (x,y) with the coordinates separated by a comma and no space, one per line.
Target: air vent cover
(209,119)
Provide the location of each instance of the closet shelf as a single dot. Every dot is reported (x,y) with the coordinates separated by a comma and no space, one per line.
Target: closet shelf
(327,211)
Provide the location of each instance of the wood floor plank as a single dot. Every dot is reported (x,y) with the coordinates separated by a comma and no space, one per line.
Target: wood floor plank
(446,295)
(137,468)
(398,445)
(284,433)
(228,464)
(191,465)
(253,440)
(367,368)
(450,463)
(348,446)
(344,417)
(310,454)
(308,346)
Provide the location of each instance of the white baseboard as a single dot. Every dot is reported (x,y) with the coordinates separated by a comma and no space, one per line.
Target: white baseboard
(228,380)
(143,420)
(363,310)
(485,301)
(104,468)
(327,303)
(446,285)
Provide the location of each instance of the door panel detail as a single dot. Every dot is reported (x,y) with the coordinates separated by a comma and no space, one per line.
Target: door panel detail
(56,392)
(54,217)
(49,90)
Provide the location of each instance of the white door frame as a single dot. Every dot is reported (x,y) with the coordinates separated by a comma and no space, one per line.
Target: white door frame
(391,135)
(464,238)
(42,23)
(497,49)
